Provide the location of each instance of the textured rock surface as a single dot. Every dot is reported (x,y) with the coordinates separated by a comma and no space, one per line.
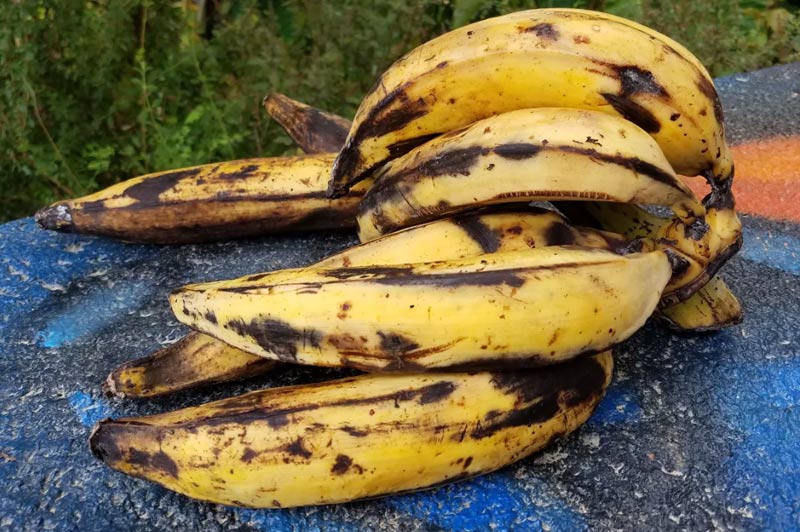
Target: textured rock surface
(696,432)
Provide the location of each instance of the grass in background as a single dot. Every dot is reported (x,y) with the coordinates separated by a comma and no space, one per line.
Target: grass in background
(97,91)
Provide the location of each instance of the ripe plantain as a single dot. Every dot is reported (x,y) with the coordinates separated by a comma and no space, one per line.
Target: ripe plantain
(199,359)
(211,202)
(521,156)
(194,360)
(518,308)
(354,438)
(541,58)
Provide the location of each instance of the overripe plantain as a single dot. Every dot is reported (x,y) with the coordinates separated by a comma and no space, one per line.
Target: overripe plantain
(354,438)
(211,202)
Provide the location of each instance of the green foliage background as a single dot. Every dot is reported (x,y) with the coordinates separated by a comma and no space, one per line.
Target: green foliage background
(98,91)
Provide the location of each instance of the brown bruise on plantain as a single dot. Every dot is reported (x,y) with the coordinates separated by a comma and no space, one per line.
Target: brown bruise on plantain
(104,444)
(276,337)
(634,81)
(708,90)
(487,239)
(543,30)
(542,394)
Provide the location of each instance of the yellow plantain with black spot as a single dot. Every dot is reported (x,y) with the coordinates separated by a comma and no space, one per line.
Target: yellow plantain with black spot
(314,131)
(511,309)
(710,308)
(522,156)
(211,202)
(199,359)
(354,438)
(541,58)
(193,361)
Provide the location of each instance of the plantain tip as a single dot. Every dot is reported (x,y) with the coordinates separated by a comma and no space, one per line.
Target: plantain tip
(109,387)
(56,217)
(99,443)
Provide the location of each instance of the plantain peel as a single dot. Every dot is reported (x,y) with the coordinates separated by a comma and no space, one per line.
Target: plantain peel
(522,308)
(355,438)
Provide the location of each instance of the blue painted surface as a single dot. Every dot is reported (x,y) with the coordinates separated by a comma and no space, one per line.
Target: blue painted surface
(89,409)
(620,405)
(491,502)
(743,387)
(91,313)
(773,248)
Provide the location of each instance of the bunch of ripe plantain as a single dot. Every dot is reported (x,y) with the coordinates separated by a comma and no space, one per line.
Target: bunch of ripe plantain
(484,325)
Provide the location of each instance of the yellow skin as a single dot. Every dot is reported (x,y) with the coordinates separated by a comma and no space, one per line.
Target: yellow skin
(518,308)
(541,58)
(521,156)
(716,301)
(711,308)
(211,202)
(360,437)
(195,360)
(199,359)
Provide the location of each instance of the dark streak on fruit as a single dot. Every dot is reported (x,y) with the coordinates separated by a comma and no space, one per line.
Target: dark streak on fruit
(158,461)
(210,316)
(437,392)
(479,232)
(517,151)
(148,190)
(276,336)
(539,393)
(248,455)
(544,30)
(383,119)
(402,147)
(484,278)
(223,416)
(707,88)
(396,344)
(356,433)
(559,234)
(635,80)
(631,163)
(633,111)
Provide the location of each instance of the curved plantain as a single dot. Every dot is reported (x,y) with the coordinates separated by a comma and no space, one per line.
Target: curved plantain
(522,156)
(541,58)
(518,308)
(350,439)
(314,131)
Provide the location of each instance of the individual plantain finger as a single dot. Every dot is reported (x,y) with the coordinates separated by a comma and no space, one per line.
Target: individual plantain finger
(195,360)
(354,438)
(211,202)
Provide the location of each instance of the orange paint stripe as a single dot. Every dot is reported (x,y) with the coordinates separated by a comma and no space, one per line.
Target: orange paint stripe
(767,181)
